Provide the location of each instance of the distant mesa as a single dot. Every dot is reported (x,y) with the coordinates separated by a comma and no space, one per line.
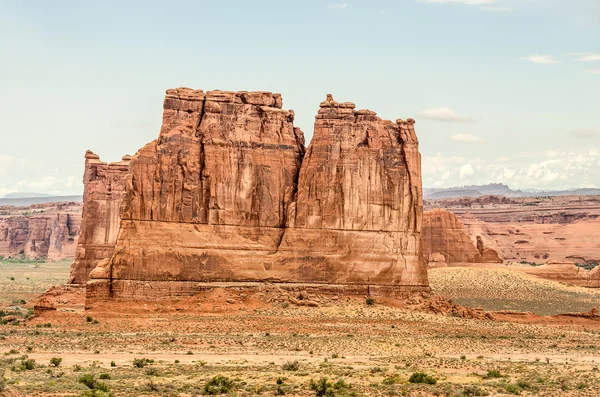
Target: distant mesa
(500,189)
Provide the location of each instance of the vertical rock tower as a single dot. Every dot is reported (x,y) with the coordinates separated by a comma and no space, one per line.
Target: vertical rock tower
(228,193)
(104,187)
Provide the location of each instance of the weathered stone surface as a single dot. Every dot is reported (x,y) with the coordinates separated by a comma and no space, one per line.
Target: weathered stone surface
(567,272)
(443,233)
(228,193)
(41,231)
(104,187)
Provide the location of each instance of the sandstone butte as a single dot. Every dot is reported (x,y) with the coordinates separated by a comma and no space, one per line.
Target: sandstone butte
(446,241)
(229,194)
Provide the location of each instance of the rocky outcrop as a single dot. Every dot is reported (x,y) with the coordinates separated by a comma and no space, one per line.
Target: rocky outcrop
(444,234)
(567,272)
(41,231)
(104,188)
(229,193)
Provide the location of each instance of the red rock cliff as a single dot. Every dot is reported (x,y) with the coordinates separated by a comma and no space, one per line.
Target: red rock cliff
(227,193)
(443,233)
(104,187)
(42,231)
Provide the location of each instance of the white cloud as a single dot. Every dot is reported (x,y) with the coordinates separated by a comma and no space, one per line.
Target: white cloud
(589,57)
(443,114)
(467,138)
(594,71)
(540,59)
(338,5)
(466,170)
(551,170)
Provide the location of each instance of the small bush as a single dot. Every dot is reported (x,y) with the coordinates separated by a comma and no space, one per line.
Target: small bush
(92,384)
(89,319)
(27,365)
(152,372)
(493,373)
(218,385)
(391,380)
(88,380)
(291,366)
(105,376)
(514,389)
(421,377)
(142,362)
(475,391)
(55,361)
(324,388)
(370,301)
(113,364)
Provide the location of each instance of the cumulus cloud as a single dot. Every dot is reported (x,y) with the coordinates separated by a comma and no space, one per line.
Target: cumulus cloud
(467,138)
(552,170)
(540,59)
(588,57)
(466,170)
(443,114)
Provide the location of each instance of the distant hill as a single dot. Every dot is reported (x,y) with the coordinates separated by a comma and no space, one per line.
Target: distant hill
(27,201)
(500,189)
(26,195)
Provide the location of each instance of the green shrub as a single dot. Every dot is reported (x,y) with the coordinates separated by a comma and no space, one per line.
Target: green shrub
(370,301)
(514,389)
(473,390)
(113,364)
(89,319)
(291,366)
(28,364)
(142,362)
(493,373)
(105,376)
(391,380)
(88,380)
(421,377)
(92,384)
(218,385)
(324,388)
(55,361)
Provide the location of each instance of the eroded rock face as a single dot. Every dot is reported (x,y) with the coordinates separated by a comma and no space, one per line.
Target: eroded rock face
(228,193)
(41,231)
(567,272)
(104,188)
(443,233)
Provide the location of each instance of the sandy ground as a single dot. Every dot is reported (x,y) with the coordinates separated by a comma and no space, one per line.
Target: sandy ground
(374,349)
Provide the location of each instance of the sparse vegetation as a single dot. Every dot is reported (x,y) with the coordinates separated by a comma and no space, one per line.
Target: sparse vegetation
(421,377)
(218,385)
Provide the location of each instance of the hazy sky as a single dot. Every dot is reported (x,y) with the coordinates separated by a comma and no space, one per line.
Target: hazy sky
(502,90)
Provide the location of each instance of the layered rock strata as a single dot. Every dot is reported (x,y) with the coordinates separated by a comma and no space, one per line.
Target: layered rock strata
(104,189)
(228,193)
(41,231)
(444,234)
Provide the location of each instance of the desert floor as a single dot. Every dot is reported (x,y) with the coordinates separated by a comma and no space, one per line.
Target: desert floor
(265,345)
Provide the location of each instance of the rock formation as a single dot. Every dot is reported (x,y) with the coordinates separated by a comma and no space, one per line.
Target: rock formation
(444,234)
(228,193)
(41,231)
(104,187)
(566,272)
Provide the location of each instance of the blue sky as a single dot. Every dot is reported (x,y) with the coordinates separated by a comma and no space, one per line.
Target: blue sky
(502,90)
